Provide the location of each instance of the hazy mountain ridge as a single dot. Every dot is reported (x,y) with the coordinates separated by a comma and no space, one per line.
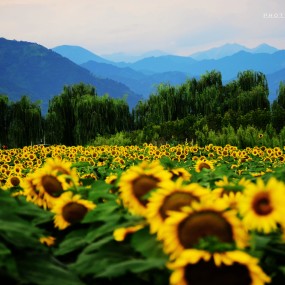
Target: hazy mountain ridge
(230,49)
(33,70)
(229,66)
(142,75)
(274,80)
(137,81)
(78,54)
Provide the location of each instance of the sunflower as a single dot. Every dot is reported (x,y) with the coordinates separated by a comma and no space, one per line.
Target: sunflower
(199,267)
(120,234)
(262,205)
(48,241)
(180,172)
(185,229)
(48,186)
(62,167)
(69,209)
(31,192)
(230,192)
(138,181)
(171,196)
(111,179)
(203,163)
(13,181)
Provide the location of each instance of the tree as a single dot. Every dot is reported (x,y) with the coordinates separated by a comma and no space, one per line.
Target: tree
(4,109)
(278,108)
(25,123)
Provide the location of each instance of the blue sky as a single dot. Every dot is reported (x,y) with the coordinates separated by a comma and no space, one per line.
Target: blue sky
(179,27)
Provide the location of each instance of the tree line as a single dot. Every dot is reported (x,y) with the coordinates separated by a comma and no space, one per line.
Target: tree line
(78,115)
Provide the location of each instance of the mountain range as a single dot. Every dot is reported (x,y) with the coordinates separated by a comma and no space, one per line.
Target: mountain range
(230,49)
(41,73)
(31,69)
(144,75)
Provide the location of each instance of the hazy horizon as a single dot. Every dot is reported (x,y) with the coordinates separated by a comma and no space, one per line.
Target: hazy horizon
(134,27)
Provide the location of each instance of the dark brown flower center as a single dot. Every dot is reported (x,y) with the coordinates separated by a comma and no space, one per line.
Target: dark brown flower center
(261,204)
(204,165)
(51,185)
(142,185)
(204,224)
(205,273)
(15,181)
(175,201)
(73,212)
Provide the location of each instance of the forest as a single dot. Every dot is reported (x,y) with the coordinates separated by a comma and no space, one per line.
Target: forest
(199,111)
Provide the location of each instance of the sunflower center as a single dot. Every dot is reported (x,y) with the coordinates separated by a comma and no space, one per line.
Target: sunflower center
(204,165)
(73,212)
(204,224)
(142,185)
(15,181)
(204,273)
(261,204)
(175,201)
(51,185)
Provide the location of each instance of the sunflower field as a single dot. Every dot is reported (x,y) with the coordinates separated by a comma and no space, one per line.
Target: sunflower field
(170,214)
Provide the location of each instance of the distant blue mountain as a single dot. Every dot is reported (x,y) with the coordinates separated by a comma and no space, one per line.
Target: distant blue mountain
(274,80)
(128,58)
(164,63)
(264,48)
(137,81)
(229,66)
(31,69)
(230,49)
(78,54)
(28,68)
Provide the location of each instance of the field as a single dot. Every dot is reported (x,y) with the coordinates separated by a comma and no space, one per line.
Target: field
(169,214)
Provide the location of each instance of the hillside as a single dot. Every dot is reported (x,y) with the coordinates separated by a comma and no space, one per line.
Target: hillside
(230,49)
(78,54)
(274,80)
(143,75)
(137,81)
(229,66)
(31,69)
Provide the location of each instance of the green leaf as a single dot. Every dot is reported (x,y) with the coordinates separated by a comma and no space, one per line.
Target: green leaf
(70,245)
(73,241)
(4,250)
(19,232)
(96,262)
(101,230)
(147,244)
(102,212)
(44,270)
(96,245)
(132,265)
(7,262)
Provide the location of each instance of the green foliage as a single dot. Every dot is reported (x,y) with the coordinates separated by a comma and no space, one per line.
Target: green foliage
(23,259)
(82,115)
(78,116)
(120,139)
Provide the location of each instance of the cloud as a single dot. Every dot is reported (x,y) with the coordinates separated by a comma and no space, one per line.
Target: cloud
(106,26)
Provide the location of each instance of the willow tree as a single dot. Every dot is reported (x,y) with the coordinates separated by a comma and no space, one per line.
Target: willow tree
(4,109)
(278,108)
(25,123)
(78,115)
(60,119)
(253,91)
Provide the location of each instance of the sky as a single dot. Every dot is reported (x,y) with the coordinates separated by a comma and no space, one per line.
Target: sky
(180,27)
